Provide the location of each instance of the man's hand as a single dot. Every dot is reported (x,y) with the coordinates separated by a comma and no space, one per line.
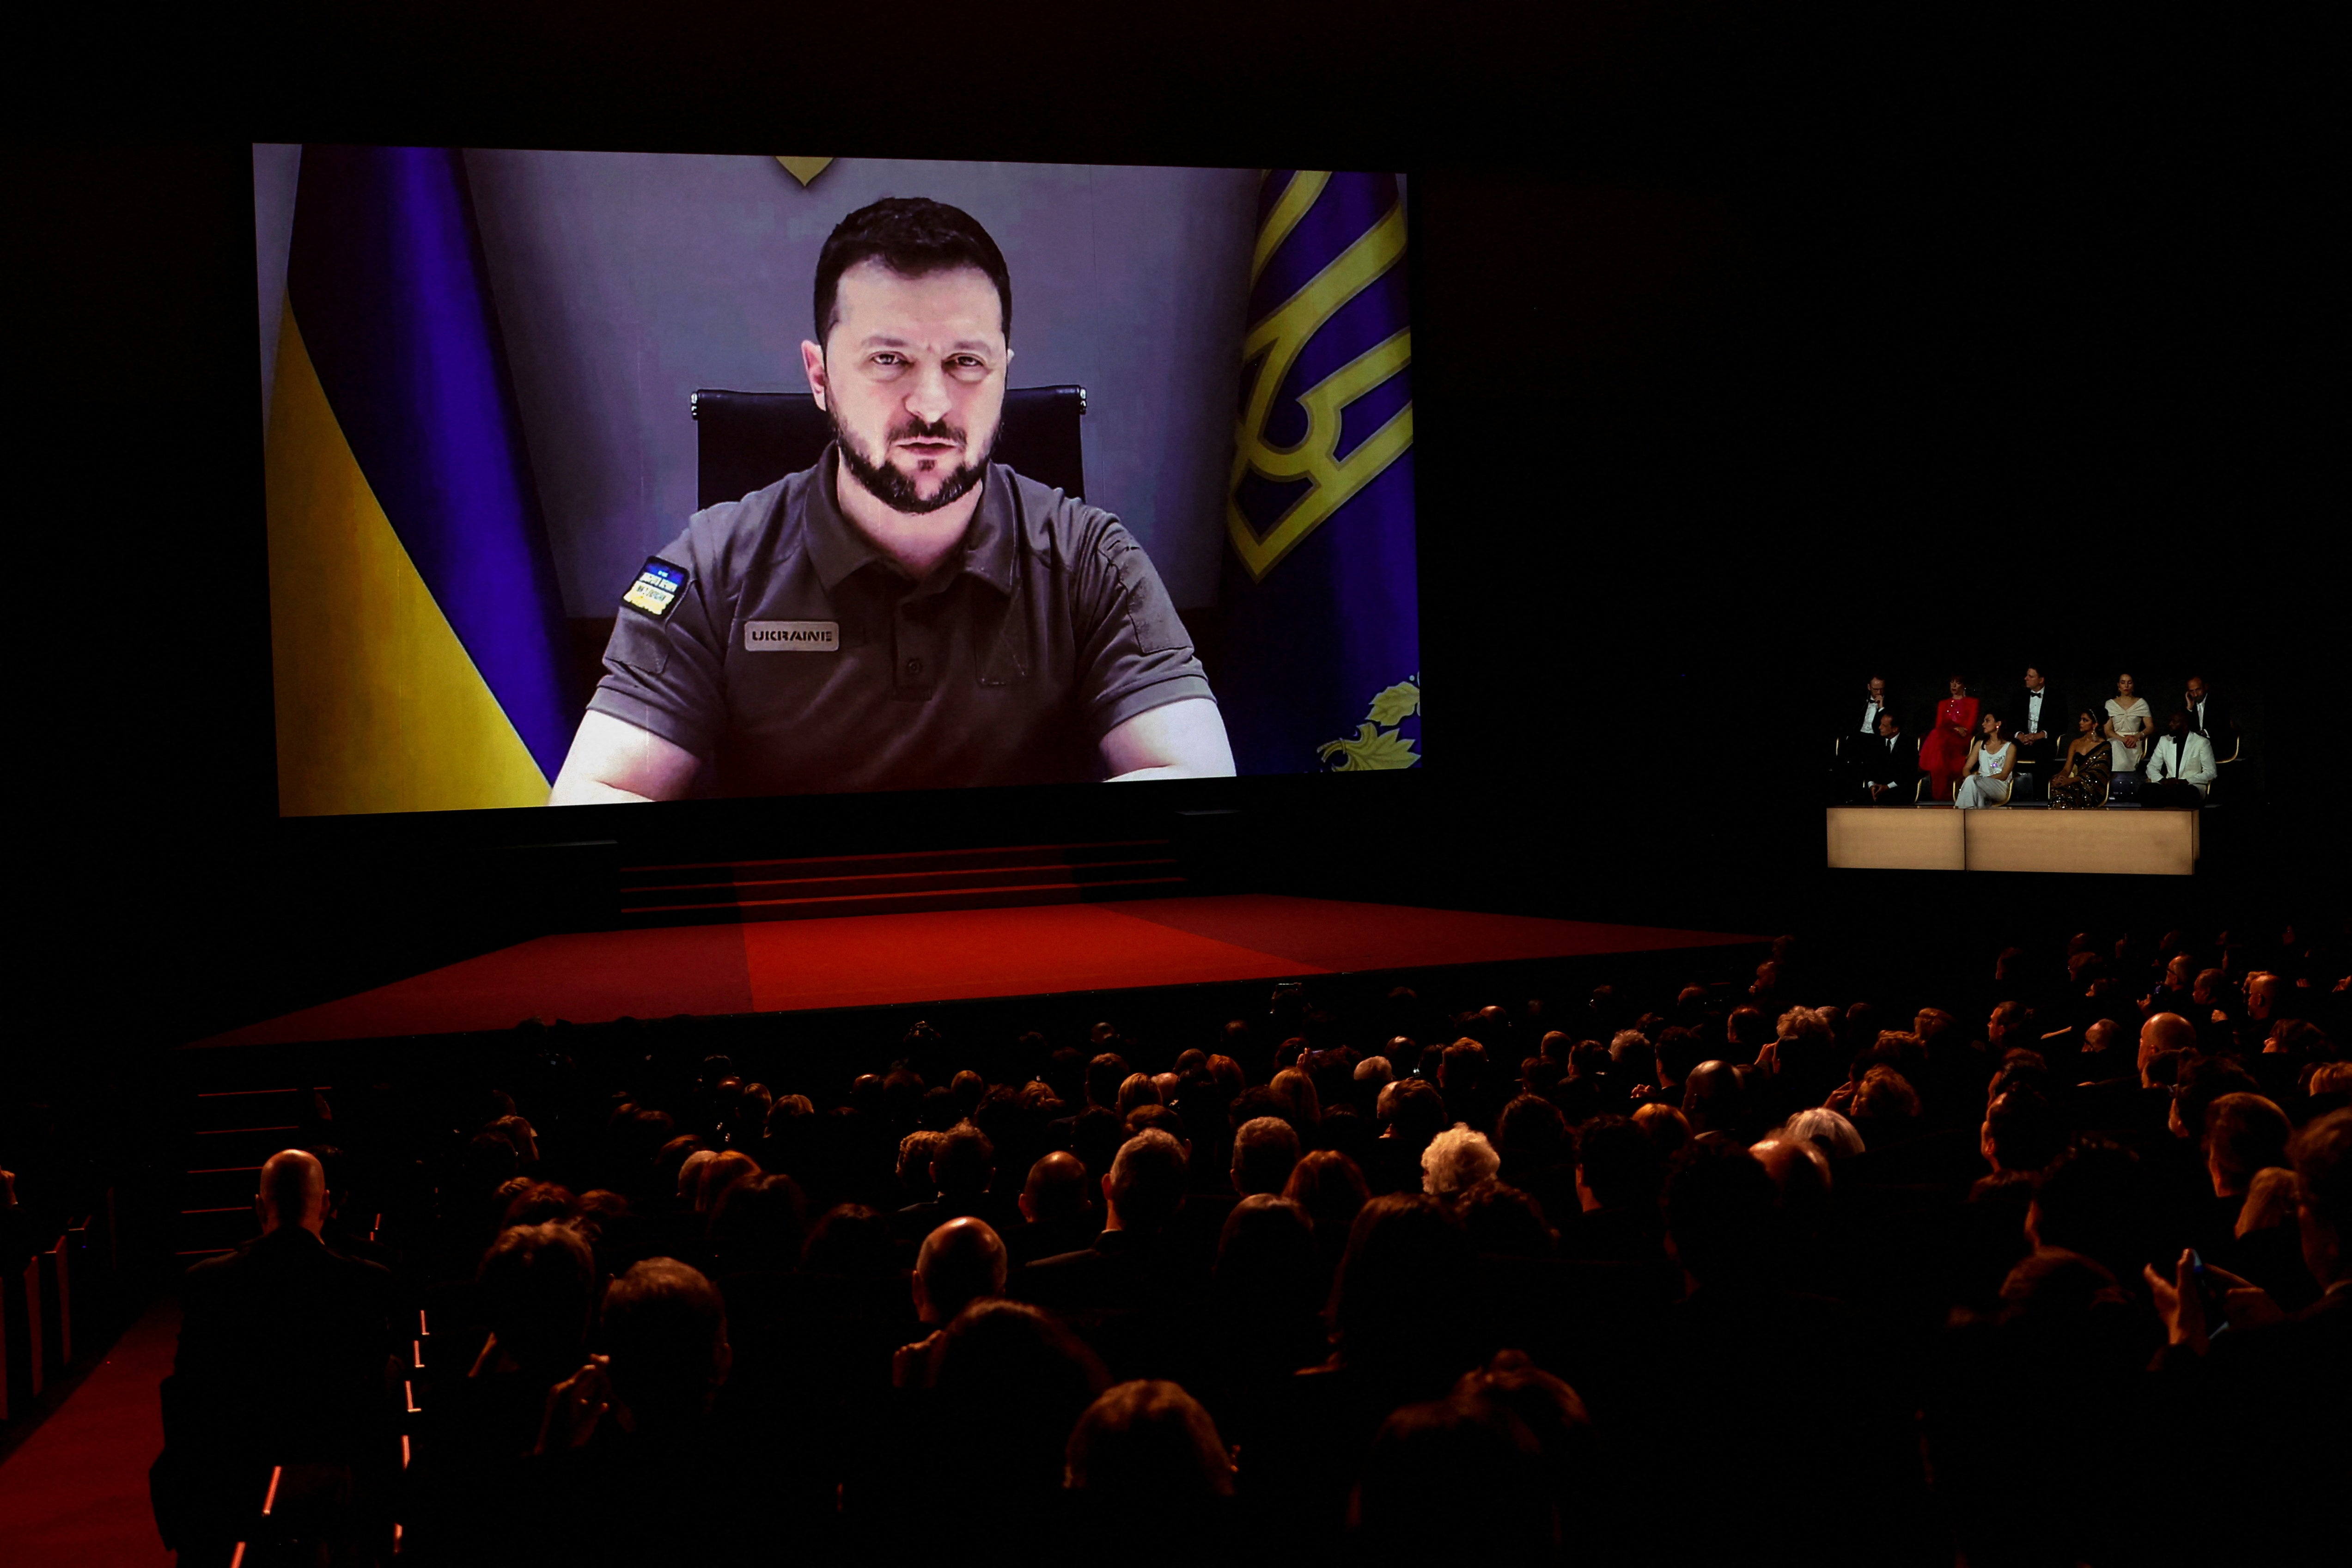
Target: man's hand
(2179,1304)
(574,1407)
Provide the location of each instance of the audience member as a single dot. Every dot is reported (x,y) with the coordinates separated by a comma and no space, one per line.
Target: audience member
(284,1359)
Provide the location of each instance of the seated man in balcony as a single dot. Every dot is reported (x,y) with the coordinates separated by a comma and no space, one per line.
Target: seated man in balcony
(2179,768)
(1886,766)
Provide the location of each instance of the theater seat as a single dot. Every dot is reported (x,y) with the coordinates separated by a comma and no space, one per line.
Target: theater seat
(745,441)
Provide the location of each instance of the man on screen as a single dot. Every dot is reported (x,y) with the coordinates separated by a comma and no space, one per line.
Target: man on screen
(904,614)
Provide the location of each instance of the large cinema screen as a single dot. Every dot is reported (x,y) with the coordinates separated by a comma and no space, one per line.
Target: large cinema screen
(598,476)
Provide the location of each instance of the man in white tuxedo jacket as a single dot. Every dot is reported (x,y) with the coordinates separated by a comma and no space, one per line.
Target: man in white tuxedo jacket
(2180,767)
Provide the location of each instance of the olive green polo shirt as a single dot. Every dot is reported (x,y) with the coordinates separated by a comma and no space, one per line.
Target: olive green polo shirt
(797,658)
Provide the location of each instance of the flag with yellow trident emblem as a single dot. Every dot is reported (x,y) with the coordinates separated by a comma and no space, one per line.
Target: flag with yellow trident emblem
(1322,667)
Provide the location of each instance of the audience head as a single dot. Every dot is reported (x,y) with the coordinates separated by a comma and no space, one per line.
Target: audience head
(1265,1255)
(1884,1100)
(535,1289)
(1136,1089)
(1296,1090)
(1147,1448)
(1457,1160)
(1799,1173)
(2322,1153)
(963,1162)
(665,1329)
(1331,1188)
(1456,1469)
(1719,1208)
(2165,1032)
(2021,1132)
(689,1176)
(1400,1298)
(1619,1165)
(1265,1150)
(759,1223)
(293,1193)
(1104,1073)
(1146,1183)
(1011,1382)
(720,1173)
(1056,1190)
(1530,1135)
(2243,1134)
(2093,1199)
(961,1262)
(1502,1221)
(853,1242)
(2203,1080)
(1715,1097)
(1411,1111)
(2271,1200)
(1833,1133)
(1665,1127)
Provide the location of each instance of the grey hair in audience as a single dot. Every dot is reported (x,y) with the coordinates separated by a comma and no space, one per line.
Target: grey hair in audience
(1835,1136)
(1457,1160)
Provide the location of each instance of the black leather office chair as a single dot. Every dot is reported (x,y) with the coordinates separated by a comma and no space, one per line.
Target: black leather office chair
(746,440)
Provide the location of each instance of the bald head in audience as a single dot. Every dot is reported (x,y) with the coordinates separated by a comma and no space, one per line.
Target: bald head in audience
(962,1262)
(2165,1032)
(293,1192)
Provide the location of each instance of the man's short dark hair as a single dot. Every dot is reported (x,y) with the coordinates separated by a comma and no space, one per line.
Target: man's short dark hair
(664,1324)
(534,1290)
(2202,1082)
(2322,1165)
(1620,1162)
(963,1162)
(913,236)
(2024,1131)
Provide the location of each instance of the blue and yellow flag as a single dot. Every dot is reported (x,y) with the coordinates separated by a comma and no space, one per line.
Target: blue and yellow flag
(1322,664)
(417,635)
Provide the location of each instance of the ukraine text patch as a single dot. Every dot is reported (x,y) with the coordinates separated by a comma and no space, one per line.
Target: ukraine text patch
(791,637)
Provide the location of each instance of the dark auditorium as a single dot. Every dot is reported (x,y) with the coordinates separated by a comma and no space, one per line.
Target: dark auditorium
(721,953)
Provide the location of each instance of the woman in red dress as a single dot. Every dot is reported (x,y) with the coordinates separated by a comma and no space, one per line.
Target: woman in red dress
(1945,752)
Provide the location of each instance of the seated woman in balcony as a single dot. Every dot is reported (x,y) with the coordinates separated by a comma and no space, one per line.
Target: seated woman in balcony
(1992,757)
(2082,781)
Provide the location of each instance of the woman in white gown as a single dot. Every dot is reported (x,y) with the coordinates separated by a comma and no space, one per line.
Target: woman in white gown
(1992,757)
(2127,722)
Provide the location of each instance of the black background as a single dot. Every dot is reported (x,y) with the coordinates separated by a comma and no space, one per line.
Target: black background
(1752,351)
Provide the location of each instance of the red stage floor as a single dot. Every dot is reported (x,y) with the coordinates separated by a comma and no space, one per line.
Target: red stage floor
(944,956)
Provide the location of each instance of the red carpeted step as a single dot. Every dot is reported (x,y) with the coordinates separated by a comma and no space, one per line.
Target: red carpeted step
(1017,876)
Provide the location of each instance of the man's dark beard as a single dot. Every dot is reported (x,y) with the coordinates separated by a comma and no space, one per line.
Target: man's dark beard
(897,490)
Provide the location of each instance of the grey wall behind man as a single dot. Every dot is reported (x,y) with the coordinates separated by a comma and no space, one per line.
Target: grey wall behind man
(624,281)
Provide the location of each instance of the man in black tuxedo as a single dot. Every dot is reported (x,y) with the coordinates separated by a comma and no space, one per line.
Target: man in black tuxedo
(1884,766)
(1859,721)
(2035,719)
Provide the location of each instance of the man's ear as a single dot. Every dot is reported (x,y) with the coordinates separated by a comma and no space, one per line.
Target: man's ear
(813,366)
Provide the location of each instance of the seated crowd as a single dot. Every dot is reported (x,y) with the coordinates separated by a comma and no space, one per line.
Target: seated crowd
(1740,1271)
(1971,754)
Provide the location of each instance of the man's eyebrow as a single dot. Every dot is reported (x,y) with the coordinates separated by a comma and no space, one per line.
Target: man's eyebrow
(961,345)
